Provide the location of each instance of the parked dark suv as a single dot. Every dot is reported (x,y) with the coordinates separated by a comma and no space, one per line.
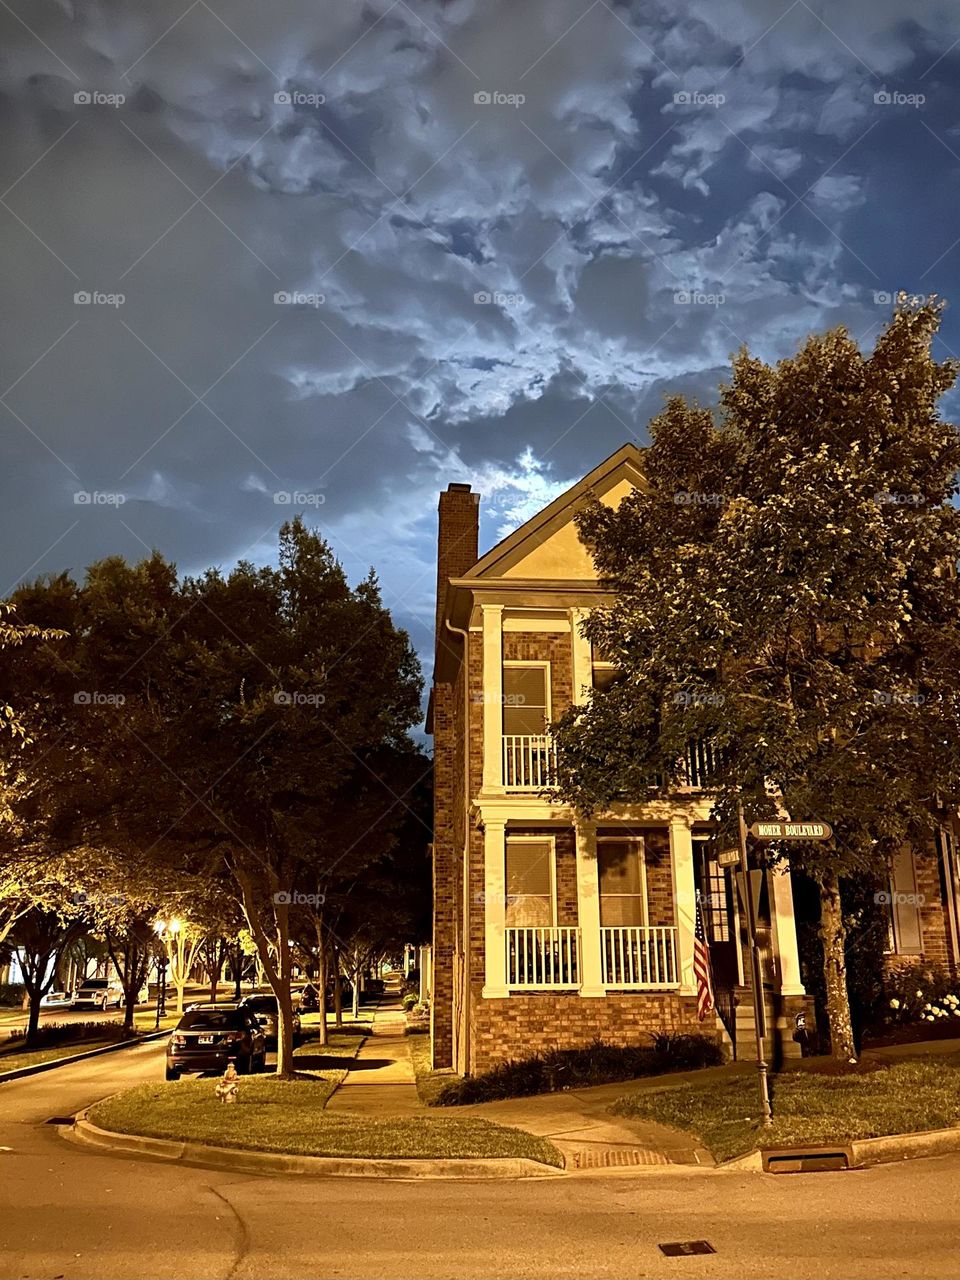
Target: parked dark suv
(268,1015)
(208,1036)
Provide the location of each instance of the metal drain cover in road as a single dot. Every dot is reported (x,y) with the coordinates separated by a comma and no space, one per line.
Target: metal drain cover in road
(59,1120)
(683,1248)
(616,1159)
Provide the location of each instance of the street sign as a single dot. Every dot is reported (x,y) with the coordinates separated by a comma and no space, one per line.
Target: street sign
(791,831)
(728,858)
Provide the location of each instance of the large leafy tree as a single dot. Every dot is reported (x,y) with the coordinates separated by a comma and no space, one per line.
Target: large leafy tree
(20,869)
(787,586)
(249,730)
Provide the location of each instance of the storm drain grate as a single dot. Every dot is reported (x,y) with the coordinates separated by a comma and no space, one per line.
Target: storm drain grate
(59,1120)
(683,1248)
(623,1159)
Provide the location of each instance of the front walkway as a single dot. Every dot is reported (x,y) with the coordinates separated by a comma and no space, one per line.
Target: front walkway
(380,1080)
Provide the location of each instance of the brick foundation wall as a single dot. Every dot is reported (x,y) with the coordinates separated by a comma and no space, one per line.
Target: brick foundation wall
(522,1025)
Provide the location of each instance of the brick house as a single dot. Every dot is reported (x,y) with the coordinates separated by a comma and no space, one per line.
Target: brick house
(550,931)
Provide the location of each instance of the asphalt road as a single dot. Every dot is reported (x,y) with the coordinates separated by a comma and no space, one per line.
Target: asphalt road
(66,1212)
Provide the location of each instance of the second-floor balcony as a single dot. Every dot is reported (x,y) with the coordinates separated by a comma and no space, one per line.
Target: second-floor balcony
(529,763)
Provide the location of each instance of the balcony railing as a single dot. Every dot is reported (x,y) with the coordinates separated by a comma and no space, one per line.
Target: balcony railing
(528,761)
(539,957)
(639,957)
(701,760)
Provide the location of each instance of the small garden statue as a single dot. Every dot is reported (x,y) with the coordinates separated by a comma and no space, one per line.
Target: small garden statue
(228,1086)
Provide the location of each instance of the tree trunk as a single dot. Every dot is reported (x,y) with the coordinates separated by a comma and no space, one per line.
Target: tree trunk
(337,993)
(33,1019)
(129,1005)
(356,994)
(322,986)
(833,936)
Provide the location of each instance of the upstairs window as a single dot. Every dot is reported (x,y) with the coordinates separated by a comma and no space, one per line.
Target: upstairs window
(623,882)
(605,672)
(526,698)
(530,883)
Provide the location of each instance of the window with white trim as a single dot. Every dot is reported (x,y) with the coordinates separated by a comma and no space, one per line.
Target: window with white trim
(530,882)
(623,882)
(526,697)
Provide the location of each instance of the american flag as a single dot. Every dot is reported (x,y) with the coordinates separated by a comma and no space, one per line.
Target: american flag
(701,966)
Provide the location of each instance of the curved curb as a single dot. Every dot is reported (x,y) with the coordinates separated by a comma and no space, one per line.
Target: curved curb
(864,1153)
(238,1161)
(38,1067)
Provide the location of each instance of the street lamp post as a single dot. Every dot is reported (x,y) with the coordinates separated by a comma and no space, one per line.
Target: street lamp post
(165,930)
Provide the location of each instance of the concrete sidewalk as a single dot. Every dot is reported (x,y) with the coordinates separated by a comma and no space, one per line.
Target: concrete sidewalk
(380,1080)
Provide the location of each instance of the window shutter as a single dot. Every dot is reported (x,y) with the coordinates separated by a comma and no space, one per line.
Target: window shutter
(906,914)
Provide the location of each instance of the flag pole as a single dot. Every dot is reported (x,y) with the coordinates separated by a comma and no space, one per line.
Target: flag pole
(759,1019)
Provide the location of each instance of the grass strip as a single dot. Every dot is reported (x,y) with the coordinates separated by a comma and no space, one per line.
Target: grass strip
(809,1107)
(288,1117)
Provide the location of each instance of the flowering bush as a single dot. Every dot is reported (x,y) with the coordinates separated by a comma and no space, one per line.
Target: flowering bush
(916,993)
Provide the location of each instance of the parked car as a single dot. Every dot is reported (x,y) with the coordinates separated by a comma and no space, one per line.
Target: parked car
(98,993)
(208,1036)
(57,1000)
(268,1014)
(309,1001)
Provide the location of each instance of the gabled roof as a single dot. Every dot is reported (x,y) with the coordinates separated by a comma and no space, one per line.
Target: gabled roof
(524,553)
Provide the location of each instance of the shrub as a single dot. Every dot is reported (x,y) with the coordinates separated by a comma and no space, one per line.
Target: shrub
(53,1033)
(420,1010)
(417,1029)
(11,995)
(409,1000)
(598,1063)
(920,993)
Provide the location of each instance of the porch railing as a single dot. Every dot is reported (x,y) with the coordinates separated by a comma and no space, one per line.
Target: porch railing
(528,761)
(639,957)
(539,957)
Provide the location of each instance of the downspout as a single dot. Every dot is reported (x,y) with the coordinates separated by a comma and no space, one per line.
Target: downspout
(465,909)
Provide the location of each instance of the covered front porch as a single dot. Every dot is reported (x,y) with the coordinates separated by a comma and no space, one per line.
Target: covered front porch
(594,909)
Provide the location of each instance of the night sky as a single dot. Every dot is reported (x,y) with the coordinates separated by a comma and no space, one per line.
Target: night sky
(507,227)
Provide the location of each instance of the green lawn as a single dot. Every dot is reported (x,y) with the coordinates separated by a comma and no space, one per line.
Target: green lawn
(13,1059)
(288,1116)
(911,1096)
(430,1083)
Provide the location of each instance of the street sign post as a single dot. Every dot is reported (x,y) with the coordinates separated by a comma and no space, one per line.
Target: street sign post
(791,831)
(759,1020)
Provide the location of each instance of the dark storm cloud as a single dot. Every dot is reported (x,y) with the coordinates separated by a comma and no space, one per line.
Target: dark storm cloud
(500,233)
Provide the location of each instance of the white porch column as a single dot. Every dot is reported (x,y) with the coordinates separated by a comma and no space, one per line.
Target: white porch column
(784,927)
(588,910)
(685,897)
(494,910)
(582,658)
(492,697)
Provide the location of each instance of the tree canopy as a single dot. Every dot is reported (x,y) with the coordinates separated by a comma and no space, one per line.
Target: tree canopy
(786,586)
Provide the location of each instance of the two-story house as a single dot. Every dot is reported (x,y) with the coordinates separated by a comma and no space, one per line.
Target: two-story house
(550,931)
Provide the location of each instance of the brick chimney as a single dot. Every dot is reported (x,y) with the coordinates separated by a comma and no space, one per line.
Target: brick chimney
(457,543)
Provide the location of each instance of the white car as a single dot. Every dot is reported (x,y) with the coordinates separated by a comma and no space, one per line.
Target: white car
(57,1000)
(98,993)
